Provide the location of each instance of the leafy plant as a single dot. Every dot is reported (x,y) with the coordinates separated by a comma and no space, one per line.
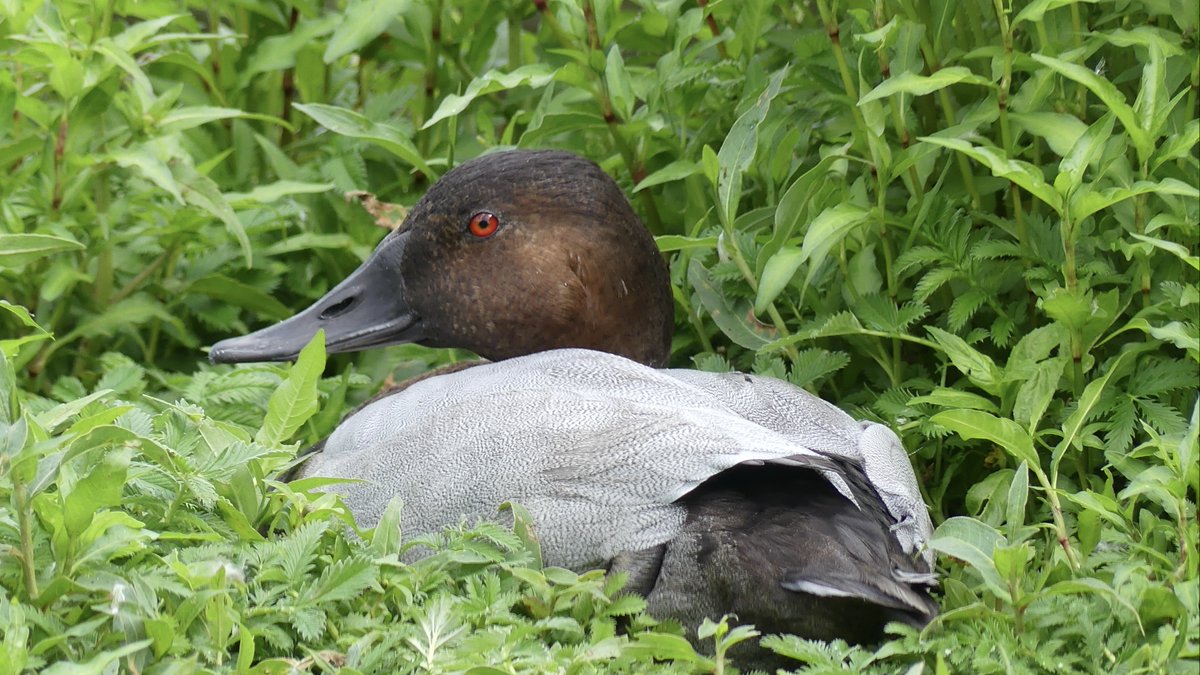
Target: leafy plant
(975,222)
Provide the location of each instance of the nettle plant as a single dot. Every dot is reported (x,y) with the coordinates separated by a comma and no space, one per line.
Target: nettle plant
(976,222)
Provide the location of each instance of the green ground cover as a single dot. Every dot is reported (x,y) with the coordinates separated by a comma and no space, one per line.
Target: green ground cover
(976,222)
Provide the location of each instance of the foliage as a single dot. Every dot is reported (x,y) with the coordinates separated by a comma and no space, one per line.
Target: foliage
(976,222)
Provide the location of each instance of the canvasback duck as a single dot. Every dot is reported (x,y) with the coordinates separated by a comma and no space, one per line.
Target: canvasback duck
(716,493)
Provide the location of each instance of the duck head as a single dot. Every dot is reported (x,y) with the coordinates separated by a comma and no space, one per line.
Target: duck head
(508,254)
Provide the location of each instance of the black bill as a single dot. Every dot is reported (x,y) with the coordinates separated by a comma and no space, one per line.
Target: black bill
(368,309)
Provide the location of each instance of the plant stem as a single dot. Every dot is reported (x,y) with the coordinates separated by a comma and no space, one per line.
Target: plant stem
(431,59)
(1002,102)
(21,497)
(514,40)
(712,26)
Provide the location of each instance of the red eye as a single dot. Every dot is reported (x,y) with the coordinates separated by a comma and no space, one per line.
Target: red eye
(484,224)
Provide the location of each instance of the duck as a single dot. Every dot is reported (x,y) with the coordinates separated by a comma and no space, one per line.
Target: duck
(716,493)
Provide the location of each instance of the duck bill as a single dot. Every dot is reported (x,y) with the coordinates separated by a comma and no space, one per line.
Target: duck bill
(368,309)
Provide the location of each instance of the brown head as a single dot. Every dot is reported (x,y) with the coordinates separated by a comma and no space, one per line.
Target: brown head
(512,253)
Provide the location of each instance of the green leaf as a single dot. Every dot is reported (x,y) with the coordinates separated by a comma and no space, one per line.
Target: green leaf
(232,291)
(535,75)
(974,542)
(739,326)
(955,398)
(920,85)
(677,170)
(296,399)
(1035,10)
(674,242)
(525,530)
(19,249)
(1087,401)
(1018,496)
(1107,92)
(273,192)
(1020,172)
(977,424)
(1060,130)
(826,231)
(201,191)
(737,151)
(620,91)
(1086,150)
(776,275)
(349,123)
(1086,201)
(361,22)
(180,119)
(1035,394)
(101,489)
(977,366)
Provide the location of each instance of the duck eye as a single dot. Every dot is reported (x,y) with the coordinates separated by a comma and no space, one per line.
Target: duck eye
(484,224)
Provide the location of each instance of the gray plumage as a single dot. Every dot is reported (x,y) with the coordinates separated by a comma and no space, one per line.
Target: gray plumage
(609,457)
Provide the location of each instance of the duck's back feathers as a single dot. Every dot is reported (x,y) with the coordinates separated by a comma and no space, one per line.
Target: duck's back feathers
(646,470)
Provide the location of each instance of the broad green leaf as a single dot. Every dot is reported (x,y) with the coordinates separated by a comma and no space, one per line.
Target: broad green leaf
(920,85)
(1085,202)
(620,91)
(1060,130)
(296,399)
(1087,402)
(1020,172)
(151,167)
(1107,92)
(974,542)
(272,192)
(741,327)
(776,275)
(977,366)
(19,249)
(1035,394)
(737,151)
(234,292)
(677,170)
(387,534)
(675,242)
(826,231)
(535,75)
(361,22)
(9,401)
(1034,11)
(349,123)
(101,489)
(1018,496)
(977,424)
(202,192)
(523,526)
(955,398)
(794,206)
(181,119)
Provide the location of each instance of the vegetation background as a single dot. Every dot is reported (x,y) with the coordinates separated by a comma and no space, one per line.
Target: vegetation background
(974,221)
